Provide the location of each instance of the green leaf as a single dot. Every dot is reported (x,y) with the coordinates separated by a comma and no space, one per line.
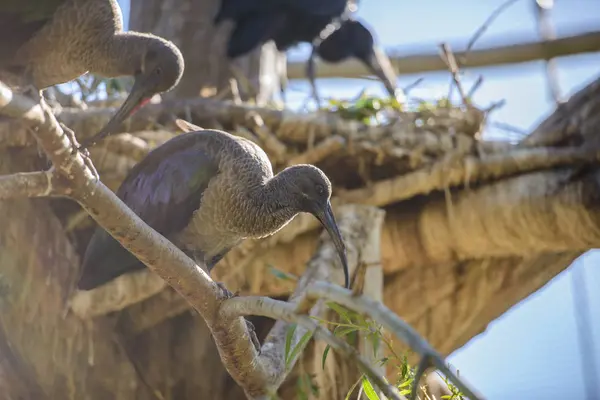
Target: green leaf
(368,389)
(352,389)
(345,331)
(375,342)
(325,355)
(303,340)
(340,310)
(288,341)
(282,274)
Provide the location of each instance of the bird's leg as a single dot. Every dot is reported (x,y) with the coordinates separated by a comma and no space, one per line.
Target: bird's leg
(310,72)
(251,328)
(247,86)
(282,73)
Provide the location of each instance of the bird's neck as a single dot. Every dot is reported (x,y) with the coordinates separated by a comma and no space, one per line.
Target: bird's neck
(271,206)
(122,55)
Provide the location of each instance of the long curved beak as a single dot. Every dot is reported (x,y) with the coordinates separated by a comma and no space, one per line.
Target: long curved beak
(381,66)
(136,99)
(327,219)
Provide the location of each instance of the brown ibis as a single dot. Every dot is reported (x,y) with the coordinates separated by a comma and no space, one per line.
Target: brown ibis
(50,42)
(206,191)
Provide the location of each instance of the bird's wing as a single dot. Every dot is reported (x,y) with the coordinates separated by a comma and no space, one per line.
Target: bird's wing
(164,190)
(330,8)
(19,21)
(253,31)
(239,9)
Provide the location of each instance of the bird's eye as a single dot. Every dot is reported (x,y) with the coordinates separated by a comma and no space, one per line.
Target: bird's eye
(320,189)
(158,71)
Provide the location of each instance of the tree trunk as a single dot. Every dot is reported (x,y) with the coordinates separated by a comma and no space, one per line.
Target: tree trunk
(188,23)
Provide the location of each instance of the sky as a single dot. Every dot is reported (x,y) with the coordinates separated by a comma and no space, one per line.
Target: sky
(532,351)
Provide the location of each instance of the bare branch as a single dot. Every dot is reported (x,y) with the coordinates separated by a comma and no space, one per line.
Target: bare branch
(283,311)
(26,184)
(450,61)
(360,226)
(390,321)
(484,27)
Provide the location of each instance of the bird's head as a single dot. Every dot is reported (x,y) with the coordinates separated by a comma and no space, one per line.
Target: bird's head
(366,50)
(160,69)
(310,191)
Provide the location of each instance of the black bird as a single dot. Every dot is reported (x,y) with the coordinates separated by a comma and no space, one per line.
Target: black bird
(289,23)
(353,39)
(206,191)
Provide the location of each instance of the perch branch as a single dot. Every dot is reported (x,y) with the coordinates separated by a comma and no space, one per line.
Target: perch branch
(394,324)
(26,184)
(283,311)
(359,226)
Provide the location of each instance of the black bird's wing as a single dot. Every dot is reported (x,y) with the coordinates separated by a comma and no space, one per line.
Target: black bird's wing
(252,31)
(20,20)
(164,190)
(239,9)
(331,8)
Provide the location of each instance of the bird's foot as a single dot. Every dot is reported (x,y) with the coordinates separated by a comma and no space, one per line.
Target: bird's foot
(253,337)
(251,328)
(33,92)
(227,293)
(73,139)
(75,147)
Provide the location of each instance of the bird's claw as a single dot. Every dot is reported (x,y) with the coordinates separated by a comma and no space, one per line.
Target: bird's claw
(251,328)
(33,92)
(253,337)
(73,139)
(226,292)
(75,147)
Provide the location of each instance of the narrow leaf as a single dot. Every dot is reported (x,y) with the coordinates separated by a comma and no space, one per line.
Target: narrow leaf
(325,355)
(340,310)
(288,341)
(282,274)
(299,346)
(352,389)
(368,389)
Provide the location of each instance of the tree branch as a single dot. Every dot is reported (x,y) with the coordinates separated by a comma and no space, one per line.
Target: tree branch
(26,184)
(283,311)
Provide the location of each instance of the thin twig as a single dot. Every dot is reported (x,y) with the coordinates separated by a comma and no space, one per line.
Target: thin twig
(484,27)
(280,310)
(449,59)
